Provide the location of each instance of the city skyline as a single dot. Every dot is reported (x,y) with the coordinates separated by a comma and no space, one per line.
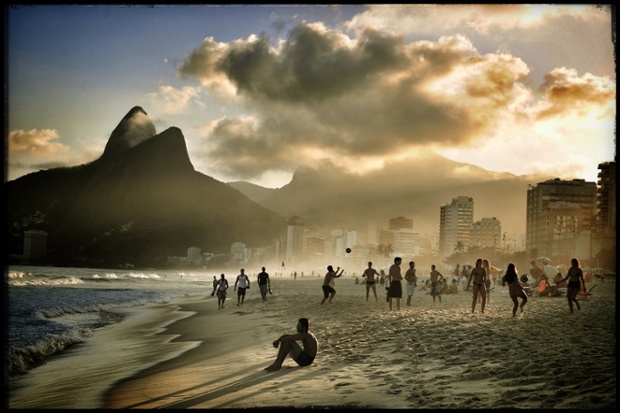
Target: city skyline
(259,91)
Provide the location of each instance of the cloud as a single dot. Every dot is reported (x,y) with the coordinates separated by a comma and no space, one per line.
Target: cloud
(34,150)
(171,101)
(322,93)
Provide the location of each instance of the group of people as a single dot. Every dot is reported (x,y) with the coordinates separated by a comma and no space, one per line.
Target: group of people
(479,276)
(242,284)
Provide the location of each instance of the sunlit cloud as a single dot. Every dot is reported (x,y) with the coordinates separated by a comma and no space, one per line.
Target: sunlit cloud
(171,101)
(34,150)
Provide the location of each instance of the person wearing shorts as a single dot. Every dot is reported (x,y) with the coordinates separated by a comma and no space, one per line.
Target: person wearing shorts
(328,290)
(288,346)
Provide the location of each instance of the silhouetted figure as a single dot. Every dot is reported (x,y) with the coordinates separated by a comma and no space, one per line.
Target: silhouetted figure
(289,347)
(515,288)
(328,290)
(370,273)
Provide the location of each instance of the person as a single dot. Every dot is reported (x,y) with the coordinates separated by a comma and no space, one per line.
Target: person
(436,278)
(214,285)
(289,346)
(370,273)
(264,284)
(382,278)
(515,289)
(479,276)
(222,286)
(243,282)
(464,275)
(328,289)
(487,283)
(535,273)
(394,278)
(456,273)
(575,279)
(557,284)
(412,281)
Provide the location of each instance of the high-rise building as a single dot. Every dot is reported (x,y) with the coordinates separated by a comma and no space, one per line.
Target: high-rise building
(455,222)
(605,228)
(486,233)
(295,240)
(400,223)
(560,219)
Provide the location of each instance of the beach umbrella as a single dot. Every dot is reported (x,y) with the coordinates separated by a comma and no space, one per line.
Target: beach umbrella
(544,259)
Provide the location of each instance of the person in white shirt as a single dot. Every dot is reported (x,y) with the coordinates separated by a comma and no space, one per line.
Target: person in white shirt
(242,283)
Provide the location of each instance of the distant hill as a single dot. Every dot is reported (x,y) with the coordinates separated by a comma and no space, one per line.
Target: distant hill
(328,197)
(255,192)
(139,203)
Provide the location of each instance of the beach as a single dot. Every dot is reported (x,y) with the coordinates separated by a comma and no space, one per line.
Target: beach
(190,354)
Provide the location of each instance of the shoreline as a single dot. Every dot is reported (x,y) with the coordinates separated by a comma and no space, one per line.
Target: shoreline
(430,355)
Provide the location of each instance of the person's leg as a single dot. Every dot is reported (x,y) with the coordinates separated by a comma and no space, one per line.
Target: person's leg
(331,296)
(286,348)
(374,291)
(475,295)
(367,290)
(398,303)
(483,292)
(515,306)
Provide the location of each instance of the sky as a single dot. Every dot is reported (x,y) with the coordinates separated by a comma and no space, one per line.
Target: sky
(259,91)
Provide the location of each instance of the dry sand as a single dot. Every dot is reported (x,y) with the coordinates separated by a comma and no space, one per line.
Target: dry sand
(429,355)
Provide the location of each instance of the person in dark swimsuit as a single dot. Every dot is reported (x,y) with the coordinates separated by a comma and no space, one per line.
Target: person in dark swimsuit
(515,288)
(575,279)
(370,273)
(289,347)
(479,276)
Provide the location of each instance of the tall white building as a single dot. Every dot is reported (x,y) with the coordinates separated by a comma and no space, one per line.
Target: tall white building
(295,240)
(455,222)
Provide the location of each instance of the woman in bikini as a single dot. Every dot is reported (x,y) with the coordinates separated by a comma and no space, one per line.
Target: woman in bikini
(479,275)
(514,287)
(575,279)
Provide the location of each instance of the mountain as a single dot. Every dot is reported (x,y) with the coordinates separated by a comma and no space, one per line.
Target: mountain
(139,203)
(255,192)
(328,197)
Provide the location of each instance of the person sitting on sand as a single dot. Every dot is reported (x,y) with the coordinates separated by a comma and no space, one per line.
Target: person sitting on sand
(288,346)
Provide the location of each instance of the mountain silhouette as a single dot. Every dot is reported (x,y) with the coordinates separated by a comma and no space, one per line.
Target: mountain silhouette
(329,197)
(140,202)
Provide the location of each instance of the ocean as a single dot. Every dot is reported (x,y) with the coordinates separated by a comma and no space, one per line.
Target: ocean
(51,309)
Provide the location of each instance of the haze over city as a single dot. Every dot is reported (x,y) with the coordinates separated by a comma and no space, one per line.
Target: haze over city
(259,91)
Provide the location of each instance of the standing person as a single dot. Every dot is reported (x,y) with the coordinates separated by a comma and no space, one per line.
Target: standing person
(214,285)
(436,278)
(264,284)
(370,273)
(479,275)
(288,346)
(382,278)
(222,286)
(244,284)
(394,278)
(514,288)
(328,290)
(487,283)
(412,281)
(575,278)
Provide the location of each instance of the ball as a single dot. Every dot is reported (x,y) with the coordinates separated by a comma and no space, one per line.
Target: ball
(524,278)
(348,250)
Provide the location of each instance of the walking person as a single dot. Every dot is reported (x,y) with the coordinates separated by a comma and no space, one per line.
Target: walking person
(395,278)
(243,283)
(215,282)
(264,283)
(222,286)
(479,276)
(328,289)
(575,279)
(412,281)
(289,347)
(370,273)
(515,288)
(436,279)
